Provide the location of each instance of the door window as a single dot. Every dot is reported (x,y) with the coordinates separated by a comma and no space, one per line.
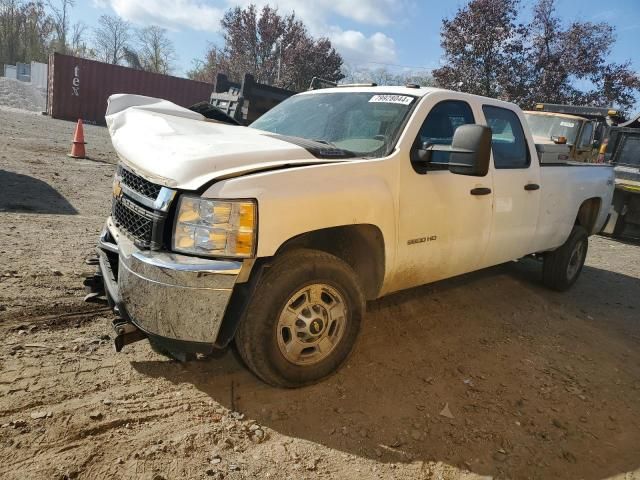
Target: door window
(585,136)
(508,143)
(439,126)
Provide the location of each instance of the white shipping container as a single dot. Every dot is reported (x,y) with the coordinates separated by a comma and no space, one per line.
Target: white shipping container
(39,74)
(10,71)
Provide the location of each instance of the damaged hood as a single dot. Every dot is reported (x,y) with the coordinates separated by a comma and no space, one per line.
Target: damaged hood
(178,148)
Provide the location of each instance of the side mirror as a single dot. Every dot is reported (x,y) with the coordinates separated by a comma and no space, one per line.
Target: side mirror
(423,153)
(470,150)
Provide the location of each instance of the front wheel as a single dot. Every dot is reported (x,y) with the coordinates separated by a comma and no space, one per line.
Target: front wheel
(562,267)
(302,320)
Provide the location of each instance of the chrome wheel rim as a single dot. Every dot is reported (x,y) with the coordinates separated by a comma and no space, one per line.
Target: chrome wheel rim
(575,261)
(311,324)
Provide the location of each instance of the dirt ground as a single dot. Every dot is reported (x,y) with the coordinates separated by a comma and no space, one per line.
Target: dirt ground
(538,384)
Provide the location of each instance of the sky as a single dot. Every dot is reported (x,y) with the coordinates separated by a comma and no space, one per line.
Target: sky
(399,34)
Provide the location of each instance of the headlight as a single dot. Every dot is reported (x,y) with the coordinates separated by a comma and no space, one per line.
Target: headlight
(215,227)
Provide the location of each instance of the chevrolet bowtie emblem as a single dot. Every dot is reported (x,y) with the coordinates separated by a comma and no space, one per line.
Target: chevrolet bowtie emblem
(117,189)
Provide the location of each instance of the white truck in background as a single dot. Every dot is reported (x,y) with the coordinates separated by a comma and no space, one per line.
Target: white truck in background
(594,134)
(274,236)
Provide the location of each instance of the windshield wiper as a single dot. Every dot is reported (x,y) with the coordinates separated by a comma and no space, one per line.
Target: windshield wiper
(324,148)
(333,146)
(318,140)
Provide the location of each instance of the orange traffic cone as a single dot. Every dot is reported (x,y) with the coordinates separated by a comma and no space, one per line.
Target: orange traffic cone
(77,149)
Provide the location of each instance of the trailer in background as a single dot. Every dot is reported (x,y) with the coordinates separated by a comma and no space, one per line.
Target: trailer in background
(247,101)
(79,88)
(595,134)
(584,129)
(34,73)
(623,151)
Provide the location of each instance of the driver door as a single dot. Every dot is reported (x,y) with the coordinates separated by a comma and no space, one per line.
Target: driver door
(444,218)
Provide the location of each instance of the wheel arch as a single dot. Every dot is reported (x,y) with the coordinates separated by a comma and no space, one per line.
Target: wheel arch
(588,214)
(361,246)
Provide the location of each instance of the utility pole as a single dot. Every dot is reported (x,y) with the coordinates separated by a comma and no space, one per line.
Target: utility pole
(279,58)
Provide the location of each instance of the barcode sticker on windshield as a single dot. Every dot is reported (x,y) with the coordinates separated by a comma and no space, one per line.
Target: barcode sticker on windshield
(567,124)
(402,99)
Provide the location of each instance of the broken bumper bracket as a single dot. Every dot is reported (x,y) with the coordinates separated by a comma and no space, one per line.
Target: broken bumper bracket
(126,333)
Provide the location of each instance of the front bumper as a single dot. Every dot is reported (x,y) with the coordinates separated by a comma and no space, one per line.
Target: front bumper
(175,297)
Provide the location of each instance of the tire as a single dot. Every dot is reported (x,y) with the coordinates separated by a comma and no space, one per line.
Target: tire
(302,320)
(562,267)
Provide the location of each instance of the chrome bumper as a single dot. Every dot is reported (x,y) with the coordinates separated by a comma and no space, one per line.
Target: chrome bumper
(177,297)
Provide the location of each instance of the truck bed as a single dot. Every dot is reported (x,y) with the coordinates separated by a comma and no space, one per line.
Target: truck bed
(561,188)
(572,163)
(557,155)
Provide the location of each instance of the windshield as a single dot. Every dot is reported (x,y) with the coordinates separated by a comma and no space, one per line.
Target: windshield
(365,124)
(547,126)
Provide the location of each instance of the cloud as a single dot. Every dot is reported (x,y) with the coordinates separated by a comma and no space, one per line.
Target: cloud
(173,14)
(356,48)
(373,12)
(320,17)
(365,12)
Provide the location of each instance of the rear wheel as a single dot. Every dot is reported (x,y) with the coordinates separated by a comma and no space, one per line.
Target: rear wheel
(303,319)
(562,267)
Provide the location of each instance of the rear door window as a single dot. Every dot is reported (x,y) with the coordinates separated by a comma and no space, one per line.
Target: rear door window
(508,142)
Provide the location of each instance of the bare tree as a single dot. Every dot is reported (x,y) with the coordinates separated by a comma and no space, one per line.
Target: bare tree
(111,38)
(78,31)
(25,31)
(478,43)
(78,45)
(276,49)
(549,59)
(60,15)
(384,76)
(156,51)
(132,59)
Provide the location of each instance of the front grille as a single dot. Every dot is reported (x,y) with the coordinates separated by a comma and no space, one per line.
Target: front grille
(134,220)
(133,213)
(138,184)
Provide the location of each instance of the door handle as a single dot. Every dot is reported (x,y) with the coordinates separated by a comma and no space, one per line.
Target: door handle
(480,191)
(532,186)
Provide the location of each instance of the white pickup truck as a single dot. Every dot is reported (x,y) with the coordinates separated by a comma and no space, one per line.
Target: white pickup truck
(275,235)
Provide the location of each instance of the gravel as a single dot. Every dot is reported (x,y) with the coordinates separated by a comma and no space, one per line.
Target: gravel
(21,95)
(553,379)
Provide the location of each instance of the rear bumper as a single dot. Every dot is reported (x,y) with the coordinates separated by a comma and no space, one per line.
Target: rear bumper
(175,297)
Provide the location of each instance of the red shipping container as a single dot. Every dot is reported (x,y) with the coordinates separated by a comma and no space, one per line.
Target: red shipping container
(79,88)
